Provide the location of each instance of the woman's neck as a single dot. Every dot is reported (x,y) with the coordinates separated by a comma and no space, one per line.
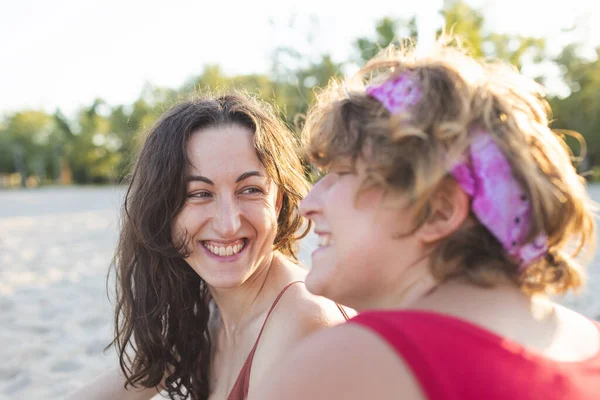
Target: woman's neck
(240,305)
(503,308)
(398,292)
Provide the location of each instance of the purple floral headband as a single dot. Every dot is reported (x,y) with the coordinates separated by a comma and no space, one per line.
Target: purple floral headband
(497,198)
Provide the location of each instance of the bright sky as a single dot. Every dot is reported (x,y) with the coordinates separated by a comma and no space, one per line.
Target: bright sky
(65,53)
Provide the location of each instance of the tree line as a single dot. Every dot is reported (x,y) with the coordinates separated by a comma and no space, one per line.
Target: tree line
(97,145)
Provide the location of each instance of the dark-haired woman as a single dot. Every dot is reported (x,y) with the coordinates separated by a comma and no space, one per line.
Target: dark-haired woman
(210,293)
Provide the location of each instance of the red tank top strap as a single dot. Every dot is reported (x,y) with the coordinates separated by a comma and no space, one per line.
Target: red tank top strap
(344,314)
(268,315)
(239,391)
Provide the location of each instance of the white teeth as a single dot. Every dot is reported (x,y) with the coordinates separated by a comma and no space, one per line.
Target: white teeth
(325,240)
(225,251)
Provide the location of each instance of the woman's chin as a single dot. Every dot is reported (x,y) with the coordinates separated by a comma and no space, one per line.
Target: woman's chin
(317,282)
(222,279)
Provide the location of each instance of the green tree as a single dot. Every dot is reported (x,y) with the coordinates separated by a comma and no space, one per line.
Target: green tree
(469,23)
(387,31)
(580,111)
(89,156)
(27,136)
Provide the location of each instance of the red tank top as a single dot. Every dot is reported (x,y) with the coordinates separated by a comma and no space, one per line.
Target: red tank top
(454,359)
(242,383)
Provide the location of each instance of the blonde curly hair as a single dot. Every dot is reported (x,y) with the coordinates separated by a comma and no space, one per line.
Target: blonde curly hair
(407,153)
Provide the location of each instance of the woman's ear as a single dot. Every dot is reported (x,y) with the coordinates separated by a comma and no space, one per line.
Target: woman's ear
(449,207)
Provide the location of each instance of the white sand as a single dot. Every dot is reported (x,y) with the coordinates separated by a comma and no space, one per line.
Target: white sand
(55,317)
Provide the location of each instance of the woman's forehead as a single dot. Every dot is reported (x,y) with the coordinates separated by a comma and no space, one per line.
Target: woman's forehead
(223,149)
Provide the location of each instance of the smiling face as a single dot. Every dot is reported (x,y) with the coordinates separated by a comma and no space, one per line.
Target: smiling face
(360,254)
(230,213)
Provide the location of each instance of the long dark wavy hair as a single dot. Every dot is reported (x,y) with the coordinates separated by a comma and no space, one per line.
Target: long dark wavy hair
(162,313)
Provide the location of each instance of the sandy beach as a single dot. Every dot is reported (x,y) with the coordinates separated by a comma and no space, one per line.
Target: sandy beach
(55,317)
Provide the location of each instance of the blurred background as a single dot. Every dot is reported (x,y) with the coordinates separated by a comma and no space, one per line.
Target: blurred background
(82,81)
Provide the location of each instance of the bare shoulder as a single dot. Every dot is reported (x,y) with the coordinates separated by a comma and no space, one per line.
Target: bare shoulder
(581,334)
(301,311)
(297,315)
(347,362)
(307,309)
(570,317)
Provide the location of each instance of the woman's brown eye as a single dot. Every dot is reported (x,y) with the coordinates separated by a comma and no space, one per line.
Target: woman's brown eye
(199,195)
(252,190)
